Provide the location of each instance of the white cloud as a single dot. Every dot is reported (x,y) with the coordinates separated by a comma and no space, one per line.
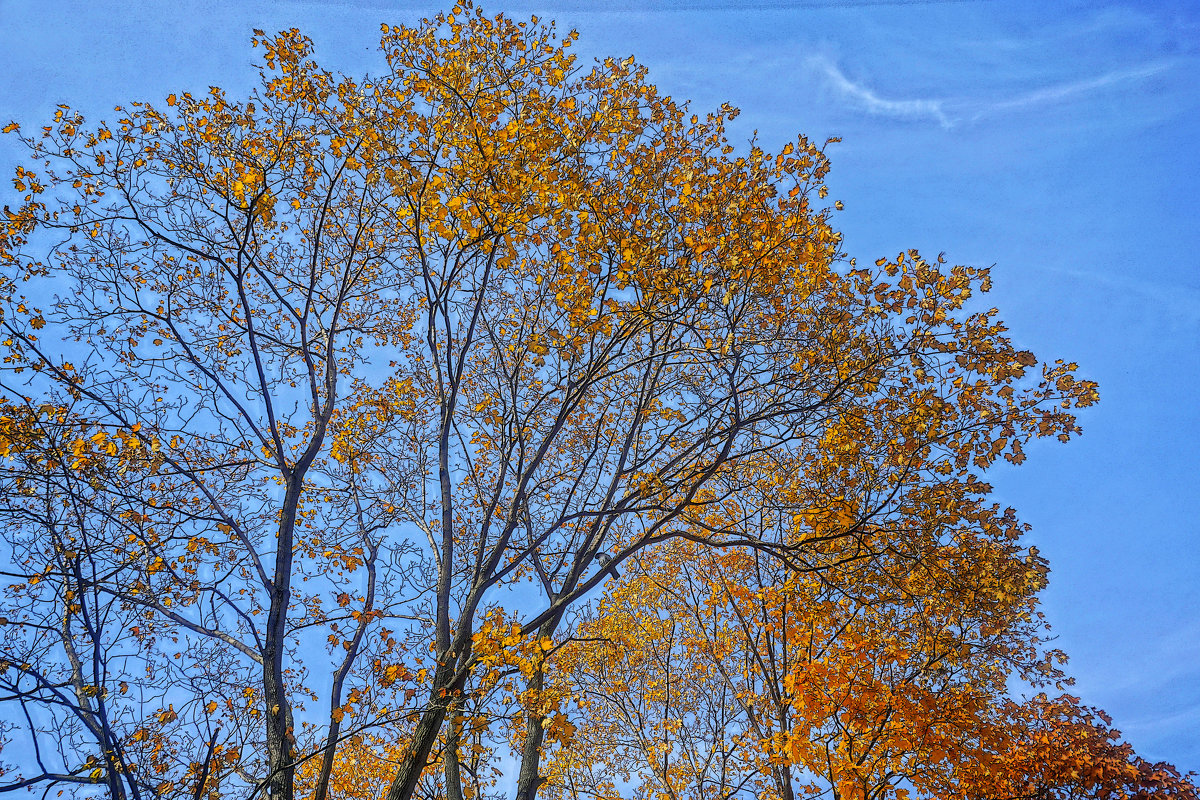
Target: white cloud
(1180,304)
(1181,720)
(1067,91)
(866,99)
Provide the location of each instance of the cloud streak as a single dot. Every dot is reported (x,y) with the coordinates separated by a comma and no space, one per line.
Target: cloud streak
(865,98)
(1181,303)
(869,101)
(1068,91)
(1182,719)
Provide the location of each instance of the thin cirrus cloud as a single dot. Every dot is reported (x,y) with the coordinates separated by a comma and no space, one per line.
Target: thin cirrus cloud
(1179,303)
(866,99)
(1068,91)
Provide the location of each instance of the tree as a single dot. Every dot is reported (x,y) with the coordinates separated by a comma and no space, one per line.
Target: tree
(708,675)
(372,381)
(1057,749)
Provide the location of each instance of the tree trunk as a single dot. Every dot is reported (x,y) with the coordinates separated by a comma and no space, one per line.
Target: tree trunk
(453,769)
(281,763)
(426,733)
(528,779)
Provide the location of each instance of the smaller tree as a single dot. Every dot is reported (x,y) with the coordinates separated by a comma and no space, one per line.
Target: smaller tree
(1057,749)
(727,674)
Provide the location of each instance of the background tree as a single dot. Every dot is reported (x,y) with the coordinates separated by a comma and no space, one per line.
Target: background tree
(1056,748)
(724,675)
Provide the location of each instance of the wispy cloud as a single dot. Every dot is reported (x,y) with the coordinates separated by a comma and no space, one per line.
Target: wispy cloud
(1177,303)
(866,99)
(1067,91)
(1182,719)
(939,110)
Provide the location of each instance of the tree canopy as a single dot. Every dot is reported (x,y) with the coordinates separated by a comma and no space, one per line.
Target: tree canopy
(496,416)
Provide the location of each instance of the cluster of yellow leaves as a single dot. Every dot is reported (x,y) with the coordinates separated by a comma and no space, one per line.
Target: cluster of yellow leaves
(357,428)
(503,655)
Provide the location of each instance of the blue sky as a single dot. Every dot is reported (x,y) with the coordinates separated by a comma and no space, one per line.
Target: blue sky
(1057,141)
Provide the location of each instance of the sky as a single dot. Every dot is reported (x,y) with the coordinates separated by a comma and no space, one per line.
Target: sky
(1056,142)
